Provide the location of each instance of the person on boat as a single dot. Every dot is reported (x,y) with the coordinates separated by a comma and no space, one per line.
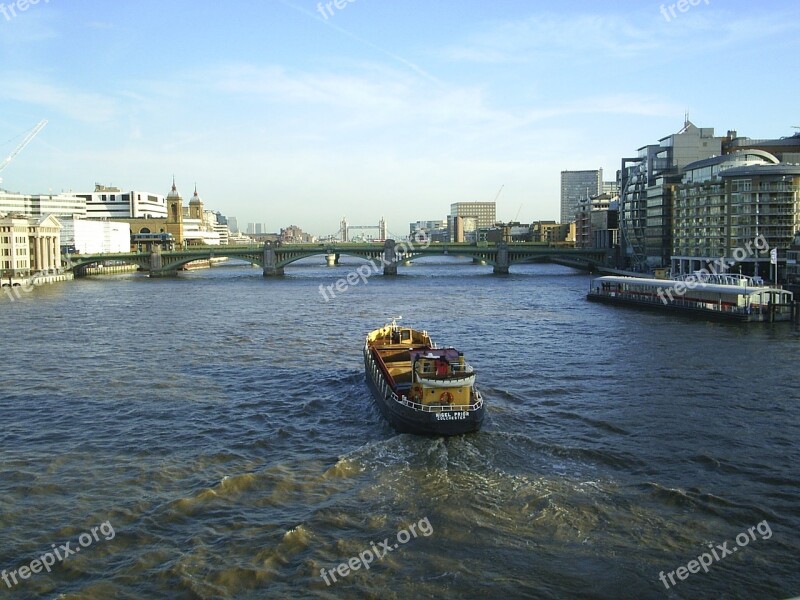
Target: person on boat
(442,366)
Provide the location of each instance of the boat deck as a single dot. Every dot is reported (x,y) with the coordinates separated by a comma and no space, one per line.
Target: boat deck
(397,359)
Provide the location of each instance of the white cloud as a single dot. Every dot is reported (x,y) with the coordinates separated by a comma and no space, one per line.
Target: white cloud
(82,106)
(642,33)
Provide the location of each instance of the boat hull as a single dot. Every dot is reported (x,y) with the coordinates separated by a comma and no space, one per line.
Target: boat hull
(406,419)
(669,308)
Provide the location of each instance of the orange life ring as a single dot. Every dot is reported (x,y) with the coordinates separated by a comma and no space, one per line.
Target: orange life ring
(446,398)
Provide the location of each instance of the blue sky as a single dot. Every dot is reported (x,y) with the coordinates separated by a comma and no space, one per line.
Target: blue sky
(392,109)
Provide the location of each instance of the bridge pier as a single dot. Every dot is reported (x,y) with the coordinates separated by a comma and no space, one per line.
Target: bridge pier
(501,263)
(162,273)
(389,258)
(332,259)
(157,265)
(271,268)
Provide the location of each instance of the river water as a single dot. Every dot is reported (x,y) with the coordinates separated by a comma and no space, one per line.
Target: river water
(218,426)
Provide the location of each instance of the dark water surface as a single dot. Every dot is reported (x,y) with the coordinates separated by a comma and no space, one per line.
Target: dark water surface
(220,424)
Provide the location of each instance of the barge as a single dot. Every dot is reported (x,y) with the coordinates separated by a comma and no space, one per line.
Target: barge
(419,387)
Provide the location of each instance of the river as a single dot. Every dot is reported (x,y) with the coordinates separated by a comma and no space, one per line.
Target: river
(216,432)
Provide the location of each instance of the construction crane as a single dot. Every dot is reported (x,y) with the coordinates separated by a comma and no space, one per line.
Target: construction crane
(26,140)
(498,193)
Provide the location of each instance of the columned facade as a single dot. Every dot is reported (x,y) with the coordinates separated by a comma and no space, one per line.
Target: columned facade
(29,245)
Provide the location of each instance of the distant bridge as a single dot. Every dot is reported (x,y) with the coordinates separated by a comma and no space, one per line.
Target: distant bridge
(273,257)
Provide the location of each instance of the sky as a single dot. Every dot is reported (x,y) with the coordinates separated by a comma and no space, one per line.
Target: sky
(288,112)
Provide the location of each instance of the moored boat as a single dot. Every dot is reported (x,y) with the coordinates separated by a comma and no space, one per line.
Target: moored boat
(418,387)
(726,298)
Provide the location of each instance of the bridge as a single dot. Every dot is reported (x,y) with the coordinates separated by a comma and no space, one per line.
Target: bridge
(273,257)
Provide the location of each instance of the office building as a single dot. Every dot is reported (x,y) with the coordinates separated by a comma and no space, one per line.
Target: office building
(577,186)
(111,203)
(646,187)
(60,205)
(550,232)
(597,222)
(426,226)
(256,228)
(785,149)
(484,213)
(611,188)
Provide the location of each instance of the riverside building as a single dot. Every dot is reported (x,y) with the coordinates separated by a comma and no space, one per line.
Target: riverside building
(112,203)
(646,185)
(725,203)
(29,245)
(597,223)
(38,205)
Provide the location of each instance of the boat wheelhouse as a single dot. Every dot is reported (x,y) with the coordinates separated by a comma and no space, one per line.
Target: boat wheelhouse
(420,388)
(735,298)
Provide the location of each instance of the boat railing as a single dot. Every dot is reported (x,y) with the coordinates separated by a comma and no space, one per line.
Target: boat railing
(404,400)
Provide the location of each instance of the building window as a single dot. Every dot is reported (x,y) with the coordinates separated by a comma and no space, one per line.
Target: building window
(741,185)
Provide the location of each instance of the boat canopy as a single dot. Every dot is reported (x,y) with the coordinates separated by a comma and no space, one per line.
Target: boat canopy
(633,283)
(446,353)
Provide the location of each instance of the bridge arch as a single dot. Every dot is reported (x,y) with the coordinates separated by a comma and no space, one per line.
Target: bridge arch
(274,257)
(296,256)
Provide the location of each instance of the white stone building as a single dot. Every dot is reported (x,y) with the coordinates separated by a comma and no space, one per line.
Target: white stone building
(110,202)
(93,237)
(29,245)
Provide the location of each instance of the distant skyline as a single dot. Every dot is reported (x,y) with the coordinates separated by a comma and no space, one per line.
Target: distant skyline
(303,112)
